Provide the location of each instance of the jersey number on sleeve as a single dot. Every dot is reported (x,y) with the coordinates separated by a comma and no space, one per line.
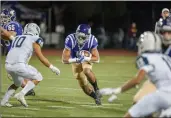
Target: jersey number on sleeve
(142,61)
(18,41)
(11,28)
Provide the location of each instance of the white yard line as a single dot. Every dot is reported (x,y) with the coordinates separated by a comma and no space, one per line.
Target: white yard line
(90,106)
(73,89)
(12,115)
(71,79)
(34,109)
(89,103)
(112,104)
(64,107)
(81,103)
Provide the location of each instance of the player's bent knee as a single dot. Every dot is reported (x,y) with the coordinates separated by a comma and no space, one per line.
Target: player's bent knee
(17,84)
(39,77)
(79,76)
(86,70)
(83,82)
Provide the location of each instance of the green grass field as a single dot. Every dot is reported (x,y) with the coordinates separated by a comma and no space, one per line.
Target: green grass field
(61,96)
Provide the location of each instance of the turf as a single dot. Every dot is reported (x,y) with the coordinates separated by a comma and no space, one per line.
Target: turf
(61,96)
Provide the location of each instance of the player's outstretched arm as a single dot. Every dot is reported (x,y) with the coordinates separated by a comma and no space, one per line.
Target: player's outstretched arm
(43,59)
(133,82)
(7,35)
(128,85)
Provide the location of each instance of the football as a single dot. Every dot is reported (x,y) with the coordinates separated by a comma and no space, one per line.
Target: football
(85,53)
(4,37)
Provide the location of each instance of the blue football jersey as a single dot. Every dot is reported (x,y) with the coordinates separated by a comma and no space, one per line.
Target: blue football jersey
(12,26)
(72,44)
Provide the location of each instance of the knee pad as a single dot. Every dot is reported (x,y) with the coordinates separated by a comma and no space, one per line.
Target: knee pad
(18,83)
(38,77)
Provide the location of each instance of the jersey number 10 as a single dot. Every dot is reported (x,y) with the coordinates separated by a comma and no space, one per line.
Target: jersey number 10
(18,41)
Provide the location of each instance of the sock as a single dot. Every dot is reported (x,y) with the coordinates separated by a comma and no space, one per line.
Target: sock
(93,95)
(30,85)
(8,95)
(95,85)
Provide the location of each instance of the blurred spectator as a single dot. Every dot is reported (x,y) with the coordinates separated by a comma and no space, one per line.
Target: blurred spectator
(60,30)
(132,33)
(102,37)
(121,35)
(43,26)
(117,38)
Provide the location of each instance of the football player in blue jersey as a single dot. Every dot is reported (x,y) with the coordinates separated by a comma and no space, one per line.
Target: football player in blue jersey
(8,22)
(163,20)
(81,51)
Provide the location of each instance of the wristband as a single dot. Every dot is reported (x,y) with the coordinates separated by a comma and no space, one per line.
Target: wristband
(51,66)
(118,90)
(72,60)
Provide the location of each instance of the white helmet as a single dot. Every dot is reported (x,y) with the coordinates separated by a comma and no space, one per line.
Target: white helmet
(149,42)
(32,29)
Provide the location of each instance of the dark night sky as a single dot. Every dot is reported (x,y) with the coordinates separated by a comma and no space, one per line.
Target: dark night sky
(140,12)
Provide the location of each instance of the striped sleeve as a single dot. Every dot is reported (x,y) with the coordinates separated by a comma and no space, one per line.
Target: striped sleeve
(39,41)
(69,42)
(143,63)
(94,42)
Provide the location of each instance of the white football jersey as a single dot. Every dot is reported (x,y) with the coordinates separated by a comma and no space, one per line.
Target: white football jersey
(22,48)
(158,68)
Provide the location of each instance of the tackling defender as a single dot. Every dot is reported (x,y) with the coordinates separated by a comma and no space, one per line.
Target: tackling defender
(165,35)
(149,62)
(8,22)
(77,45)
(16,62)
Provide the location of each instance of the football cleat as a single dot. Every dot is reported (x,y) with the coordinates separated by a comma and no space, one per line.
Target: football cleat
(6,104)
(30,93)
(98,94)
(98,101)
(21,99)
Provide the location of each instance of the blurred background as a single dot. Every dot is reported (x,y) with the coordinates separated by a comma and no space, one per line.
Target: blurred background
(116,24)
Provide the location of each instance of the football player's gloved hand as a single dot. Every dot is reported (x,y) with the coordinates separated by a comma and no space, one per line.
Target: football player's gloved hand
(81,59)
(110,91)
(166,113)
(54,69)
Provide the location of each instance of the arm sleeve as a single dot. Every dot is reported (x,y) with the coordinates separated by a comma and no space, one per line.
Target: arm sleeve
(143,63)
(94,43)
(39,41)
(68,43)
